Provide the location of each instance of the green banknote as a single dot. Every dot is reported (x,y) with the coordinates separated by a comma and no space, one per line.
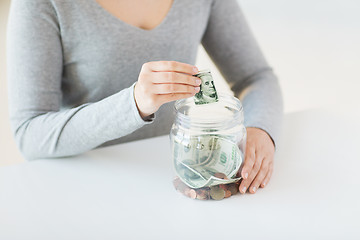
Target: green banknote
(207,93)
(198,161)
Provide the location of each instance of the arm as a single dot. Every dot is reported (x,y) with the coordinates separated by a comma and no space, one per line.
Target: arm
(232,47)
(35,63)
(41,128)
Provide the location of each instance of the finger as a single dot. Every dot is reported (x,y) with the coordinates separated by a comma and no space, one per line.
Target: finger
(170,66)
(173,97)
(174,77)
(244,185)
(260,176)
(249,162)
(254,171)
(268,176)
(174,88)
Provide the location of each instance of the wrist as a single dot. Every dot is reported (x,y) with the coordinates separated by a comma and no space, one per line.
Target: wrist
(146,116)
(262,132)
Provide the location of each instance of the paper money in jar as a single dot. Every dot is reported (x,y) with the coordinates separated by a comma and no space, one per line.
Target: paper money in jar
(199,163)
(207,146)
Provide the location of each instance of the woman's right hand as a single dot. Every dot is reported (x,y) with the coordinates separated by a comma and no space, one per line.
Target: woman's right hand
(164,81)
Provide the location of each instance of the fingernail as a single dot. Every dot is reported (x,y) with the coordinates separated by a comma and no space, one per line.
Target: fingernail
(264,184)
(197,89)
(254,189)
(246,175)
(195,70)
(243,190)
(198,81)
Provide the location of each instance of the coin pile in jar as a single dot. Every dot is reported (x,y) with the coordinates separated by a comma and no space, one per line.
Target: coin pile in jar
(217,192)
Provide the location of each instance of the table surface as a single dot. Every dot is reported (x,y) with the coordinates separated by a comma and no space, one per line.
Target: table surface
(125,192)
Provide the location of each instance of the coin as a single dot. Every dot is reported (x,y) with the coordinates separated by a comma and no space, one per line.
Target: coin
(202,194)
(176,183)
(179,185)
(192,193)
(233,188)
(227,194)
(187,191)
(220,175)
(217,193)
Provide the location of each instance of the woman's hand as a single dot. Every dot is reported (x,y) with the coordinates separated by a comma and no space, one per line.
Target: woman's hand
(259,160)
(164,81)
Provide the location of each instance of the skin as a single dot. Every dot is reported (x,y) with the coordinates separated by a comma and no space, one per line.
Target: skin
(165,81)
(144,14)
(259,161)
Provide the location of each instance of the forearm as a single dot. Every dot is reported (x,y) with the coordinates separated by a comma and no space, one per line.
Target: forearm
(232,46)
(35,64)
(262,101)
(77,130)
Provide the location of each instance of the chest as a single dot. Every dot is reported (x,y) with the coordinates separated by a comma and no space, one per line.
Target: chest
(144,14)
(103,54)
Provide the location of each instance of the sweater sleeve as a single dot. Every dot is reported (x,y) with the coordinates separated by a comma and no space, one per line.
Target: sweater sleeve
(231,45)
(34,66)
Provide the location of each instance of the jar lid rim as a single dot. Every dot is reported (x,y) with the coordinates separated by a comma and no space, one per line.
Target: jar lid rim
(184,117)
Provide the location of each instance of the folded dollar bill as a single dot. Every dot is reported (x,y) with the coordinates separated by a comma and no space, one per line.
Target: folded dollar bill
(197,162)
(207,93)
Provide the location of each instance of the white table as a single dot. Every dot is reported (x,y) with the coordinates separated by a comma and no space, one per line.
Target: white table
(125,192)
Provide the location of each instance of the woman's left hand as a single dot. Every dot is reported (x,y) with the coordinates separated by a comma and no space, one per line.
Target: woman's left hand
(259,160)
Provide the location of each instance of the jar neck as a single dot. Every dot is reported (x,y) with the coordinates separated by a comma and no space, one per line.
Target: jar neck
(212,121)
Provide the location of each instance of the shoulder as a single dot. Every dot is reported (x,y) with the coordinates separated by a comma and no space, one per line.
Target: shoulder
(225,6)
(42,4)
(45,8)
(225,9)
(29,3)
(41,14)
(49,2)
(32,7)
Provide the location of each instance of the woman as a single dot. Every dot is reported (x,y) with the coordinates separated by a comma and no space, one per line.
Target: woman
(87,73)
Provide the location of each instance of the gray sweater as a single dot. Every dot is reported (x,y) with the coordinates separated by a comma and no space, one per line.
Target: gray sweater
(72,67)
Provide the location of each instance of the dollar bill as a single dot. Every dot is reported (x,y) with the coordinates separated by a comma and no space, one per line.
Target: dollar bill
(207,93)
(198,161)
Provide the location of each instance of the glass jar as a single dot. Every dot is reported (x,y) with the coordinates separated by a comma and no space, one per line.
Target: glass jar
(208,145)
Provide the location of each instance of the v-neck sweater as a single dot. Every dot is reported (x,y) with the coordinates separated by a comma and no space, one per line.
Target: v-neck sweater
(72,67)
